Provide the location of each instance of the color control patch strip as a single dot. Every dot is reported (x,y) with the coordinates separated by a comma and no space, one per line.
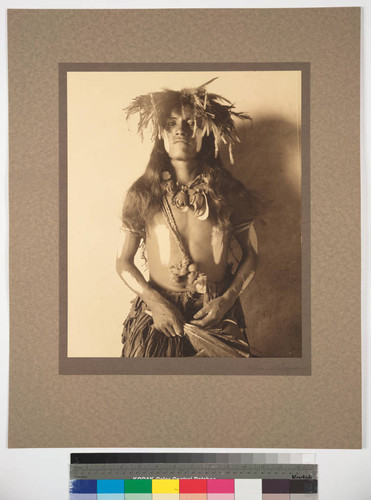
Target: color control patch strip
(135,480)
(192,489)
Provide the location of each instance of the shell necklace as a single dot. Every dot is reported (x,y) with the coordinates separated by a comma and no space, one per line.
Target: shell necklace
(186,270)
(188,196)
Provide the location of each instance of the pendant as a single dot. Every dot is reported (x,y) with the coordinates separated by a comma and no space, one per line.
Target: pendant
(185,196)
(188,271)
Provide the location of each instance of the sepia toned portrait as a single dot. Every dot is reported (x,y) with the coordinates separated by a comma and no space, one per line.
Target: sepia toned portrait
(184,214)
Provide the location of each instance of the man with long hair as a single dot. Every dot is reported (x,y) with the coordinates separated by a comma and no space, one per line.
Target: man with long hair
(186,208)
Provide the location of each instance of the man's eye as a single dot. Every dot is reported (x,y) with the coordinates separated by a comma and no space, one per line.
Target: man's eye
(191,123)
(170,123)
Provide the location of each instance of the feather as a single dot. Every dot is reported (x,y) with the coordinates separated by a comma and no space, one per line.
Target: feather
(207,83)
(211,112)
(214,343)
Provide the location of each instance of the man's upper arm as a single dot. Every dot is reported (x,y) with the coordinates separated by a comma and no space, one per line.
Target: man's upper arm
(243,208)
(248,239)
(133,214)
(128,245)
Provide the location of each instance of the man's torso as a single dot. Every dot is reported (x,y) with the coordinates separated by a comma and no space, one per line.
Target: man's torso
(204,241)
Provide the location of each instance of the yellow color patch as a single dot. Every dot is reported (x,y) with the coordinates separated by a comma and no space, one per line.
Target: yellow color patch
(165,485)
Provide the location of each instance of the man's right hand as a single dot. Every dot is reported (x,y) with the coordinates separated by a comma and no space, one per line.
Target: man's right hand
(167,318)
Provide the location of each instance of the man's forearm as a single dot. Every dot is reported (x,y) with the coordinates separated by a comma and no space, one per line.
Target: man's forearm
(166,317)
(214,311)
(242,278)
(135,280)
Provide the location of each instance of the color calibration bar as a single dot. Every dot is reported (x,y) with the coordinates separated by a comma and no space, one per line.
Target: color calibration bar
(193,489)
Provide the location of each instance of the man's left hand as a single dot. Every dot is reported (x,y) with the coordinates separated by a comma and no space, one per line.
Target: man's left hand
(212,313)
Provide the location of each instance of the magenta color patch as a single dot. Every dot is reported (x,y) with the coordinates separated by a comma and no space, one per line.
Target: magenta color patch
(220,486)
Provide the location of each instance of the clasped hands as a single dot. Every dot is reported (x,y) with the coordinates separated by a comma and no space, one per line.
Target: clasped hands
(169,320)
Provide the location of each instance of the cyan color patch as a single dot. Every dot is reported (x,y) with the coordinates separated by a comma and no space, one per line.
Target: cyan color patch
(111,486)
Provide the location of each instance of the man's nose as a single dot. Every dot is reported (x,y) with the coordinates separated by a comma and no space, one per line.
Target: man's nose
(183,128)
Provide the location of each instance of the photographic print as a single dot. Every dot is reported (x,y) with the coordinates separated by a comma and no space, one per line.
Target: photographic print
(123,247)
(195,177)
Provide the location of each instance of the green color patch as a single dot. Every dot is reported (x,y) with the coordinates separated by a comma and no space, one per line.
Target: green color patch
(138,486)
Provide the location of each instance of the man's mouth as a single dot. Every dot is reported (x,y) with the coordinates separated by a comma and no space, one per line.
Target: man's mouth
(181,140)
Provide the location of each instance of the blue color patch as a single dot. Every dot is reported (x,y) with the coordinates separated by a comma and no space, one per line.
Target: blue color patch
(111,486)
(83,486)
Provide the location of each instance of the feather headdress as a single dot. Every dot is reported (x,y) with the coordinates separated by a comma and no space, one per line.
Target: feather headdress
(212,113)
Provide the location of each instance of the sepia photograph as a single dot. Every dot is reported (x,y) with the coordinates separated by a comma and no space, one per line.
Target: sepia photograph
(184,228)
(184,213)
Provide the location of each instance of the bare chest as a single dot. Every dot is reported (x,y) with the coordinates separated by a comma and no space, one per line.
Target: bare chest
(190,227)
(203,241)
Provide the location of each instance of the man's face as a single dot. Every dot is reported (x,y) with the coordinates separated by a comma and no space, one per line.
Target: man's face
(177,135)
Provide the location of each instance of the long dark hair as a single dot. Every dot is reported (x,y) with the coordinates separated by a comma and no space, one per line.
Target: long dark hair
(143,199)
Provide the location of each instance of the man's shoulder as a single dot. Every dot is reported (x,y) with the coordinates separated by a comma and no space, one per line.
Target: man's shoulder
(233,190)
(243,204)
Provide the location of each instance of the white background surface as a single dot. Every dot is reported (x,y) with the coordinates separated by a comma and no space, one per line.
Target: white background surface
(43,474)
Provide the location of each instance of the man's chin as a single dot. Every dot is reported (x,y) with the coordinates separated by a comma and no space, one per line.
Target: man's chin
(183,157)
(183,153)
